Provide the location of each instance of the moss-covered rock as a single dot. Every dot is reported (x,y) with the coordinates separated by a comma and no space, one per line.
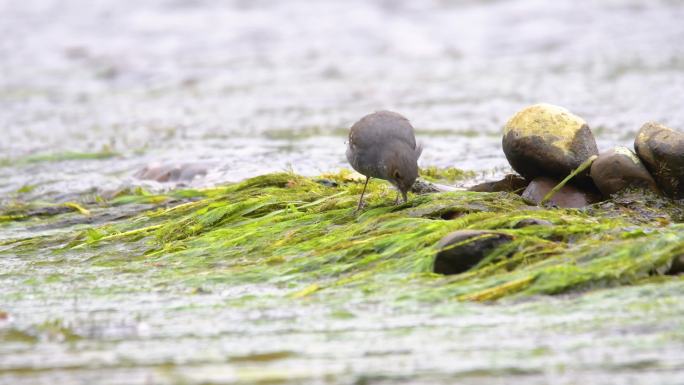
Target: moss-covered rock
(662,151)
(620,168)
(547,140)
(464,249)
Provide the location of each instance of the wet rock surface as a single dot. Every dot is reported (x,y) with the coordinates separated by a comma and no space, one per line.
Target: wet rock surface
(510,183)
(567,197)
(661,149)
(547,140)
(463,249)
(620,168)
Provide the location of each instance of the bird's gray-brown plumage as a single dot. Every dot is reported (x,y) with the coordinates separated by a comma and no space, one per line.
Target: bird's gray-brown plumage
(383,145)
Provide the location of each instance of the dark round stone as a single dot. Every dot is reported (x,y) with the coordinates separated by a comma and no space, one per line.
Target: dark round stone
(510,183)
(677,266)
(619,168)
(568,196)
(662,151)
(463,249)
(547,140)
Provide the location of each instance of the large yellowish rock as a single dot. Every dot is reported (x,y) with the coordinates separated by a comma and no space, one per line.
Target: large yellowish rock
(547,140)
(662,151)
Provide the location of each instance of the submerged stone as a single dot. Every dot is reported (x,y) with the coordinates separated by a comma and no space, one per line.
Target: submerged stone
(327,182)
(171,172)
(662,151)
(424,187)
(547,140)
(568,196)
(532,222)
(677,266)
(619,168)
(463,249)
(509,183)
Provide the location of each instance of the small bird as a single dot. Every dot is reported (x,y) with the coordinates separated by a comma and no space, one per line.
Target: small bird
(382,145)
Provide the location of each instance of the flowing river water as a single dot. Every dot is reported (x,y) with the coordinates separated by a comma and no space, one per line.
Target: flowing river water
(93,91)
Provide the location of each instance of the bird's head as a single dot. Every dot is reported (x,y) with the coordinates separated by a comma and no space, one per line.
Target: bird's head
(403,170)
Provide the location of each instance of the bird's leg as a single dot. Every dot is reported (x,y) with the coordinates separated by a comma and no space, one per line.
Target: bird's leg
(362,192)
(396,200)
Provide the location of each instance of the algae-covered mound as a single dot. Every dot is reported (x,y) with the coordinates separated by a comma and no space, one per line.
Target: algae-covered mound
(303,234)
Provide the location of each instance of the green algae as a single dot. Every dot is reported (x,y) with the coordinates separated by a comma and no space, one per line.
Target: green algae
(304,236)
(106,153)
(449,175)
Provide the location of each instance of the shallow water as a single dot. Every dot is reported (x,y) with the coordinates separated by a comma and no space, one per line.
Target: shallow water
(251,87)
(614,337)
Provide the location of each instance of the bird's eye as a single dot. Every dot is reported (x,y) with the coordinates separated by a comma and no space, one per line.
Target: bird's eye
(396,175)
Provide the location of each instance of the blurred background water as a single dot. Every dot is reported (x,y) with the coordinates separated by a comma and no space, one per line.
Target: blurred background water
(248,87)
